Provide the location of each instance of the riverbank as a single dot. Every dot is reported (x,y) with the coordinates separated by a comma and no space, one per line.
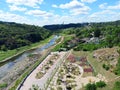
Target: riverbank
(25,67)
(11,54)
(26,73)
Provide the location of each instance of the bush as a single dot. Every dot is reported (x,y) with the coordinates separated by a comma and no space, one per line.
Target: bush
(90,86)
(106,67)
(100,84)
(117,85)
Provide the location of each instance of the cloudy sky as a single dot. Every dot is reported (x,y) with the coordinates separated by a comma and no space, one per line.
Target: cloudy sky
(42,12)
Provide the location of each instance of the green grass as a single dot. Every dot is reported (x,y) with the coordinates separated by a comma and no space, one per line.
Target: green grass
(3,85)
(66,38)
(10,53)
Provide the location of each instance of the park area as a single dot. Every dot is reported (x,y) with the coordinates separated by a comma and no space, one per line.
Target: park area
(74,73)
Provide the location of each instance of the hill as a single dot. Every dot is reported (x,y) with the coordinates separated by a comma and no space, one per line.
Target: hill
(64,26)
(56,27)
(14,35)
(93,36)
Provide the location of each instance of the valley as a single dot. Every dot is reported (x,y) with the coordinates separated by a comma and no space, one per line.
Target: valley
(74,58)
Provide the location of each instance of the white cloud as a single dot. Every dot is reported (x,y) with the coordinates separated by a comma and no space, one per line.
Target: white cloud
(113,7)
(88,1)
(105,15)
(103,6)
(40,13)
(71,5)
(55,6)
(75,7)
(45,18)
(6,16)
(30,3)
(80,11)
(17,8)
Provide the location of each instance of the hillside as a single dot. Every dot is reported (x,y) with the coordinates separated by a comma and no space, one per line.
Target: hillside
(64,26)
(93,36)
(13,35)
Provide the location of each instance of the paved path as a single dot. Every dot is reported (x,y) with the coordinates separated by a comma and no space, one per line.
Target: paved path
(31,80)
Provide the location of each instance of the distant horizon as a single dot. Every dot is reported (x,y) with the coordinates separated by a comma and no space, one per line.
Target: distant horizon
(59,23)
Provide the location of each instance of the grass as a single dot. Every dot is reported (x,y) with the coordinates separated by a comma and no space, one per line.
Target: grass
(6,54)
(3,85)
(99,69)
(66,38)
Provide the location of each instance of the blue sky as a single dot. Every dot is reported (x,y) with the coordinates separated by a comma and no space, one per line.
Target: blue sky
(44,12)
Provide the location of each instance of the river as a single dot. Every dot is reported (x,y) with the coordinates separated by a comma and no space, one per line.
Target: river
(5,68)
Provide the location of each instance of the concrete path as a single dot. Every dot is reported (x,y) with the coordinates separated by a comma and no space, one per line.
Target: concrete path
(31,80)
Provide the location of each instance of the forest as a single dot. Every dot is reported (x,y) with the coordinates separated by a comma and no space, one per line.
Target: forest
(13,35)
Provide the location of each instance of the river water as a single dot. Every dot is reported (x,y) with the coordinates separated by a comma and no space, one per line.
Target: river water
(4,69)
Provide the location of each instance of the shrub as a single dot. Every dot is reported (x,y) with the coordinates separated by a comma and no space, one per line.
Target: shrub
(90,86)
(106,67)
(101,84)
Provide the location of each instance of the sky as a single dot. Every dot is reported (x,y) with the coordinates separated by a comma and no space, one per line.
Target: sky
(46,12)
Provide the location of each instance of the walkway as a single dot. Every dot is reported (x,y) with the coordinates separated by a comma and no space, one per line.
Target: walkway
(31,80)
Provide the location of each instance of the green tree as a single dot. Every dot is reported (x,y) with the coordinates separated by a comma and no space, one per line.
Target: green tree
(97,33)
(3,48)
